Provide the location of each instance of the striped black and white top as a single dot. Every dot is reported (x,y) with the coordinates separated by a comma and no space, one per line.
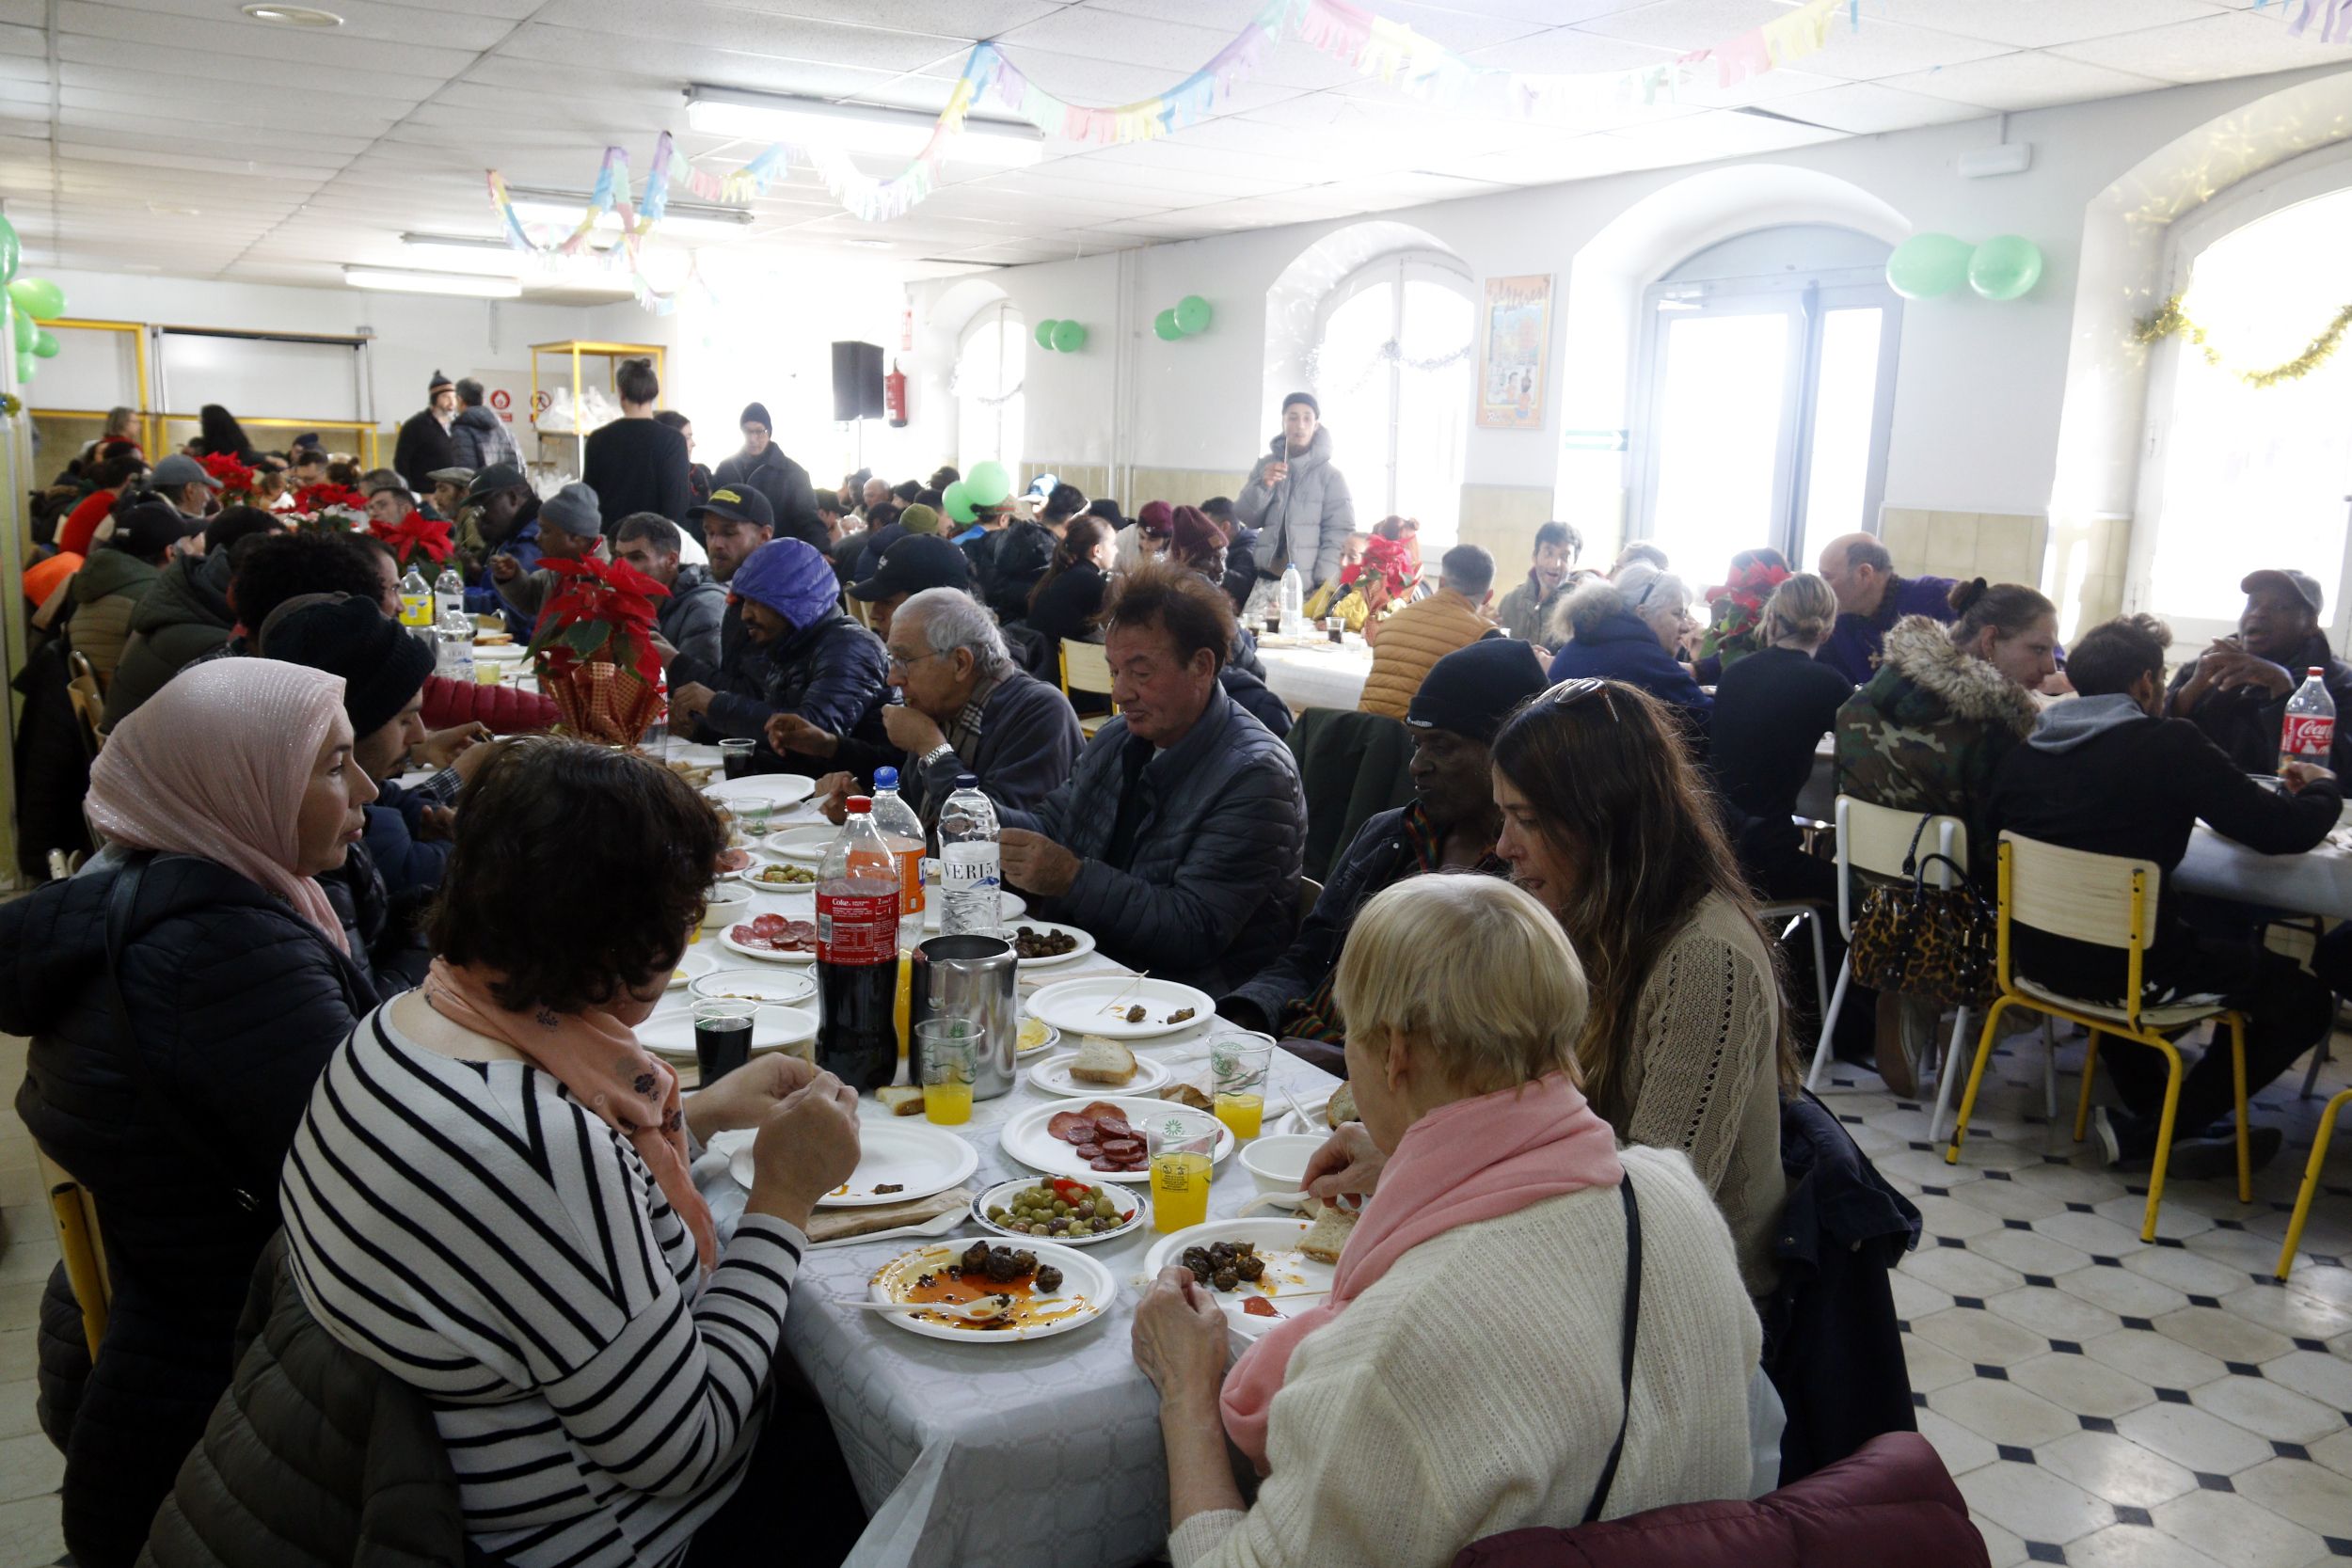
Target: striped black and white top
(471,1228)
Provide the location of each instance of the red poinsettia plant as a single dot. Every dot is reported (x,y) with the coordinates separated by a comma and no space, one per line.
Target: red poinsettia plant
(236,478)
(330,506)
(1738,604)
(595,650)
(416,539)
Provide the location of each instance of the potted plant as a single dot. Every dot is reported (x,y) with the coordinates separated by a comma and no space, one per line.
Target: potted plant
(416,540)
(337,508)
(593,649)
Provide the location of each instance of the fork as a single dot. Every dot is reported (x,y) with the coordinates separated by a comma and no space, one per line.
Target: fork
(986,1310)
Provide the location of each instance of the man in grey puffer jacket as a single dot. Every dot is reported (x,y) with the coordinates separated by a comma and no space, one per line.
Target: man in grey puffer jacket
(478,436)
(1297,501)
(689,619)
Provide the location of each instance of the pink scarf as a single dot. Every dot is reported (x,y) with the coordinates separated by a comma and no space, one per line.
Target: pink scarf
(1469,1160)
(216,765)
(596,1056)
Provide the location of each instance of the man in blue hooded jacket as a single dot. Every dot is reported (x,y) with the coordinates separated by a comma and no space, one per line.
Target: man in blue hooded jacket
(818,664)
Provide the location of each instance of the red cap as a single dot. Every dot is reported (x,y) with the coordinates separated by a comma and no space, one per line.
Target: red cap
(860,804)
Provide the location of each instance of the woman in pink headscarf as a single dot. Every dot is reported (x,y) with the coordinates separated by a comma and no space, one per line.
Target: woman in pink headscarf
(221,800)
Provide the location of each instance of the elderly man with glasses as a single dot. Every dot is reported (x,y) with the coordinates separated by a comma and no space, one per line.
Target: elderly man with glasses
(968,709)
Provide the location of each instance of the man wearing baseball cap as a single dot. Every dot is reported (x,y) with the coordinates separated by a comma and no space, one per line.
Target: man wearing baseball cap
(914,562)
(736,521)
(502,511)
(2236,691)
(108,590)
(181,481)
(1450,826)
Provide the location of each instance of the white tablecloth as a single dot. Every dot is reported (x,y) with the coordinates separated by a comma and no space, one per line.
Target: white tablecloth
(1316,674)
(2319,882)
(1046,1454)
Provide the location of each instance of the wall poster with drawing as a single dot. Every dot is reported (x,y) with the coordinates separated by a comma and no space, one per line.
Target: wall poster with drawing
(1515,335)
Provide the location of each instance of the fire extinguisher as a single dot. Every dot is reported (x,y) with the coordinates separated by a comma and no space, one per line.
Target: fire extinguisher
(894,396)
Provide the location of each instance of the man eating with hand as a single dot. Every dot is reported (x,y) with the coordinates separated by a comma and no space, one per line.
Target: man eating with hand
(2236,691)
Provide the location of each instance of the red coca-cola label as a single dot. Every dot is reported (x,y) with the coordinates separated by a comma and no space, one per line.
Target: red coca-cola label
(2307,735)
(857,929)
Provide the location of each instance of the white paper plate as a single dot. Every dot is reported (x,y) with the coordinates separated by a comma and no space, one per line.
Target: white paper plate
(783,987)
(693,966)
(802,845)
(726,939)
(1084,1007)
(1083,1279)
(1052,1076)
(1003,1190)
(671,1035)
(922,1160)
(1046,928)
(1025,1139)
(935,904)
(1292,1277)
(498,653)
(779,789)
(750,877)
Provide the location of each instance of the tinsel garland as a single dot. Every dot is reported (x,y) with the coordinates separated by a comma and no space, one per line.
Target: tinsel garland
(955,388)
(2171,321)
(1389,353)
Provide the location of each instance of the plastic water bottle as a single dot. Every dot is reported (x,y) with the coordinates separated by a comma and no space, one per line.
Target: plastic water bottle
(2308,733)
(971,879)
(415,604)
(448,594)
(904,832)
(453,659)
(1293,602)
(857,953)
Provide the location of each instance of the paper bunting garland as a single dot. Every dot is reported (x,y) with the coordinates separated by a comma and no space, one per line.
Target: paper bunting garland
(1377,46)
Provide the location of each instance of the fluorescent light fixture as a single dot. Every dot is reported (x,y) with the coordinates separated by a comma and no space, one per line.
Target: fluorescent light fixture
(679,219)
(856,127)
(292,16)
(472,287)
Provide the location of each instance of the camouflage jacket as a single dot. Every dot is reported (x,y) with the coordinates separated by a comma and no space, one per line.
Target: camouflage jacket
(1930,729)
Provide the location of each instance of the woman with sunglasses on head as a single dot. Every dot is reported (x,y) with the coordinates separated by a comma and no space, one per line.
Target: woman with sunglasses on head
(1629,629)
(1607,821)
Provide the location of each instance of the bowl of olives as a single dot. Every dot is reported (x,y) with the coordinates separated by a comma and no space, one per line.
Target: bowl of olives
(1058,1208)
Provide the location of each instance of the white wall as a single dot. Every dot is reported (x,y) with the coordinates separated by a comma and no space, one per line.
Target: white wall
(1978,388)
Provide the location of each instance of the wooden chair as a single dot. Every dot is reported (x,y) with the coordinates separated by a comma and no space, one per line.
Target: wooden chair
(2110,901)
(74,1213)
(1086,668)
(2311,1179)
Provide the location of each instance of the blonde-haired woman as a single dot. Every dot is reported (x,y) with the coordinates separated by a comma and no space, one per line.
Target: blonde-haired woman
(1466,1376)
(1772,710)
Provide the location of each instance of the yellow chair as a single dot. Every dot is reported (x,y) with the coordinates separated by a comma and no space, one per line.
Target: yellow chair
(2310,1180)
(1086,670)
(74,1213)
(2110,901)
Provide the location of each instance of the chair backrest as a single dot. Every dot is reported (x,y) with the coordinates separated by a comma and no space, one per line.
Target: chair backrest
(2074,893)
(1876,839)
(89,703)
(73,1214)
(1351,766)
(1086,667)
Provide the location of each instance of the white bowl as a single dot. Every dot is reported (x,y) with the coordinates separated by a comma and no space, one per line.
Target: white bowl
(725,906)
(1276,1163)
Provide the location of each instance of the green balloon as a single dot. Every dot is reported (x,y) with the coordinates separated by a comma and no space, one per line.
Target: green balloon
(988,484)
(958,500)
(1926,266)
(12,250)
(42,300)
(1045,333)
(1069,337)
(25,364)
(1164,327)
(21,322)
(1192,314)
(44,346)
(2004,267)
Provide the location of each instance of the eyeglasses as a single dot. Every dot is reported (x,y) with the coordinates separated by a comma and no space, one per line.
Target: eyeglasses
(903,662)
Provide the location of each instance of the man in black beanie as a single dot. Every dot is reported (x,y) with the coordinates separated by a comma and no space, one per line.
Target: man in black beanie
(761,466)
(424,442)
(1450,826)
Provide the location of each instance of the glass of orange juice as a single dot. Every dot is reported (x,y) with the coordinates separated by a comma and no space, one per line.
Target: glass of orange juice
(1182,1149)
(949,1050)
(1238,1065)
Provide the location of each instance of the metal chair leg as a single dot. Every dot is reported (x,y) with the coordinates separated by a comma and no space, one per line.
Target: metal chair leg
(2164,1128)
(1943,1077)
(2319,1059)
(1820,967)
(1975,1075)
(1814,1079)
(2244,1128)
(2310,1182)
(2090,1075)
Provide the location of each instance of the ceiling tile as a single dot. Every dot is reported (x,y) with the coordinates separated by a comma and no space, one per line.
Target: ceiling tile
(1866,107)
(681,63)
(2033,23)
(1575,50)
(1720,134)
(2030,79)
(369,20)
(169,61)
(331,48)
(692,24)
(1172,49)
(2237,43)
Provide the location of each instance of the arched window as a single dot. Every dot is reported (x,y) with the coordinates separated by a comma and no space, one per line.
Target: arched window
(989,363)
(1394,362)
(1766,397)
(2239,476)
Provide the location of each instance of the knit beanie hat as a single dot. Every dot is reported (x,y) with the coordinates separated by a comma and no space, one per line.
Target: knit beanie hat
(1195,537)
(575,509)
(381,664)
(919,518)
(1156,519)
(790,578)
(440,381)
(756,413)
(1308,398)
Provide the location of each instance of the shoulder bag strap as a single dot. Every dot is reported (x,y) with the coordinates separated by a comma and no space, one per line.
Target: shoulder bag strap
(120,900)
(1632,1317)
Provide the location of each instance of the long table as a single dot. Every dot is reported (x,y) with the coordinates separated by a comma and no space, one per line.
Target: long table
(1312,673)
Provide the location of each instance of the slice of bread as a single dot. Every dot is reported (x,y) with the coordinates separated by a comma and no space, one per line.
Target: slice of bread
(1189,1094)
(1342,1106)
(1102,1061)
(901,1101)
(1329,1238)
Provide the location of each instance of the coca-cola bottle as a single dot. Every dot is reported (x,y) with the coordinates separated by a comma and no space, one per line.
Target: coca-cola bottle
(2308,734)
(857,953)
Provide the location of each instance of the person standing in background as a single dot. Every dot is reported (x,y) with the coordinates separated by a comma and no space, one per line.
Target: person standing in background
(425,443)
(638,463)
(479,434)
(1298,502)
(698,481)
(762,465)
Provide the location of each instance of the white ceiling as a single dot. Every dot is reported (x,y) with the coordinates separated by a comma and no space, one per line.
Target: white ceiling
(181,136)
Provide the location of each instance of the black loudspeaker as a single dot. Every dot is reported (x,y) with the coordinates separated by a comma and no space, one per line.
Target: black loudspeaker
(857,381)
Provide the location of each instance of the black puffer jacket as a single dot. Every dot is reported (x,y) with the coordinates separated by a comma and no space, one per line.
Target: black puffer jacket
(791,499)
(235,1004)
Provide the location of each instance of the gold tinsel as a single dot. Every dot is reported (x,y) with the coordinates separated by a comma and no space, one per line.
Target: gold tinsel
(2173,320)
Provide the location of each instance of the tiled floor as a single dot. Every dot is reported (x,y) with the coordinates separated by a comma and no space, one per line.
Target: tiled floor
(2100,1401)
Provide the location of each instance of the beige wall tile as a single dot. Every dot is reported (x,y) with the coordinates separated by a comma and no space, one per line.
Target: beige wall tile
(1502,519)
(1951,545)
(1904,532)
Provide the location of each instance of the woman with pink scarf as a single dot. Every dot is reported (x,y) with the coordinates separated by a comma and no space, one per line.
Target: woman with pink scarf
(1465,1377)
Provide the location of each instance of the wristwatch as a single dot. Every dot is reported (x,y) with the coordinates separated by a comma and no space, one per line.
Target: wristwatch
(942,749)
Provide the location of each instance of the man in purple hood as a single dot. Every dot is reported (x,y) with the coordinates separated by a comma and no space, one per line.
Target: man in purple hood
(1870,599)
(819,664)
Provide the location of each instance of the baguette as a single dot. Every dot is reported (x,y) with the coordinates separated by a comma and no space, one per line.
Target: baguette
(1329,1238)
(901,1101)
(1102,1061)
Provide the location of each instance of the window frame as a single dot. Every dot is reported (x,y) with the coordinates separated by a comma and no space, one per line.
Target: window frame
(996,316)
(1394,270)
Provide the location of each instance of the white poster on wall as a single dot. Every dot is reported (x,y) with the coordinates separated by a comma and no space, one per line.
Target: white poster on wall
(507,394)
